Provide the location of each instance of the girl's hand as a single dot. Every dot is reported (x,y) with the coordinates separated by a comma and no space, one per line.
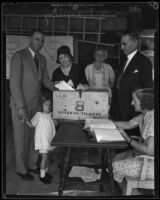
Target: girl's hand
(124,134)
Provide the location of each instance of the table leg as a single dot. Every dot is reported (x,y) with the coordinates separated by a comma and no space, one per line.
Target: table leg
(102,157)
(63,170)
(110,154)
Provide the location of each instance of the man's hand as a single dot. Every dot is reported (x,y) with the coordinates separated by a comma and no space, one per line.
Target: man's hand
(22,114)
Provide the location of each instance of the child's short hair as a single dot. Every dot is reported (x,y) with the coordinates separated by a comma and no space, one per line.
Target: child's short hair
(43,100)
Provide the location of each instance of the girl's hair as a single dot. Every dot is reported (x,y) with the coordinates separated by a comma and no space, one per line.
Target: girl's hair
(43,100)
(146,97)
(102,50)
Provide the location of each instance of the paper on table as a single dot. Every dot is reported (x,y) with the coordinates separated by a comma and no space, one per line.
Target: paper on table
(99,123)
(62,85)
(84,172)
(102,134)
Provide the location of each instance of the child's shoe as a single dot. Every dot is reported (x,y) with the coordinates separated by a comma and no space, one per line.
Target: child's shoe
(48,176)
(45,180)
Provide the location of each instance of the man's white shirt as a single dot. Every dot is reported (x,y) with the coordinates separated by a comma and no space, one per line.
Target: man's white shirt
(32,52)
(130,56)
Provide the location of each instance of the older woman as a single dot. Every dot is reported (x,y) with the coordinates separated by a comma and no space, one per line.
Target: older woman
(68,71)
(99,74)
(128,163)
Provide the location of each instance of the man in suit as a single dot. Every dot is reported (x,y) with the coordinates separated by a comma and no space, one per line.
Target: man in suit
(136,73)
(28,71)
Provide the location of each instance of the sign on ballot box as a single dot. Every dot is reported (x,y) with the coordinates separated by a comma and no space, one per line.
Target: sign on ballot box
(80,105)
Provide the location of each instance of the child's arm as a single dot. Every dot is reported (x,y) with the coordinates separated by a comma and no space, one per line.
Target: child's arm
(125,125)
(29,123)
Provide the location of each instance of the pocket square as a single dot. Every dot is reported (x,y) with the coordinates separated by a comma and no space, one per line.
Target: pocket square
(135,71)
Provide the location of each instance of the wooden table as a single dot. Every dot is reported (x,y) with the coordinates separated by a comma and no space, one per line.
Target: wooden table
(70,136)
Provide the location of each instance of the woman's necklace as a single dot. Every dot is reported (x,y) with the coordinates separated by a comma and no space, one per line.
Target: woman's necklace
(98,68)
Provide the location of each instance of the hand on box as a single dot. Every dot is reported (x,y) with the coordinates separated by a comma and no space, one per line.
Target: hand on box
(82,87)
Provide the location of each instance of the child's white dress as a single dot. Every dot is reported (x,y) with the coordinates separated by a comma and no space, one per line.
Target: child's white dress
(44,131)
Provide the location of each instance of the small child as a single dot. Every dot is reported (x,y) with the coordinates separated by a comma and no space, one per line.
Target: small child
(44,133)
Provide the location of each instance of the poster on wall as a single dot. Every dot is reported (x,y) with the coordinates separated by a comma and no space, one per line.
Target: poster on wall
(49,50)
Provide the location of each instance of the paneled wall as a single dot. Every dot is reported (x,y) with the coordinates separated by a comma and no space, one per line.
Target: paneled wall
(83,28)
(88,32)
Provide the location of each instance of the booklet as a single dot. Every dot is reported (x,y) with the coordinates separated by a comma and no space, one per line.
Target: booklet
(107,135)
(103,130)
(90,124)
(62,85)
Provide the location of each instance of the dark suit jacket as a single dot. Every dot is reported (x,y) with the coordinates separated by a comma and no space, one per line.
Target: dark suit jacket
(25,80)
(76,75)
(138,74)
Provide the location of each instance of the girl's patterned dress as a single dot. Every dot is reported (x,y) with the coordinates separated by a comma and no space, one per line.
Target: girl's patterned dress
(128,163)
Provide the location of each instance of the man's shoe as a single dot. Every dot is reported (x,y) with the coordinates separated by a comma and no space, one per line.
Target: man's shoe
(26,176)
(35,171)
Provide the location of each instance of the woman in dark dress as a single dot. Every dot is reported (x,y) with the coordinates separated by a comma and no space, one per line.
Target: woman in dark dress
(69,71)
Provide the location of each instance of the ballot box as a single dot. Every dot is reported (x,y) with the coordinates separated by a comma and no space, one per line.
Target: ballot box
(80,105)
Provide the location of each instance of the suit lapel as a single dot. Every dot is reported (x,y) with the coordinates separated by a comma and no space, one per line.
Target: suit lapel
(131,65)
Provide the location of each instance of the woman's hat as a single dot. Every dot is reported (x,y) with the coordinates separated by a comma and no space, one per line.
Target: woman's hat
(64,50)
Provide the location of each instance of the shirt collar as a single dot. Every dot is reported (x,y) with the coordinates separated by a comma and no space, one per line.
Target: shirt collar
(32,52)
(130,56)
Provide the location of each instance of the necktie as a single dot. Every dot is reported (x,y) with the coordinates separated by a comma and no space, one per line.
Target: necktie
(121,74)
(36,60)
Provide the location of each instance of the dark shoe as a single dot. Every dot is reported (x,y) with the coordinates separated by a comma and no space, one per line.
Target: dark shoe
(26,177)
(45,180)
(35,171)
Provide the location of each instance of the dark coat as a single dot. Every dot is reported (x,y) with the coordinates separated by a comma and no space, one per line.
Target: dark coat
(138,74)
(76,75)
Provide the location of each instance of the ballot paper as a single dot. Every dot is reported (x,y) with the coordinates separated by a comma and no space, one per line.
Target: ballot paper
(87,174)
(90,124)
(62,85)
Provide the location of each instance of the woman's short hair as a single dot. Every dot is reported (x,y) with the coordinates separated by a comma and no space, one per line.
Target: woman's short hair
(64,50)
(146,97)
(102,50)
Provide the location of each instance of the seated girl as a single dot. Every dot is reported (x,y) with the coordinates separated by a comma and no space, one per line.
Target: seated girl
(128,163)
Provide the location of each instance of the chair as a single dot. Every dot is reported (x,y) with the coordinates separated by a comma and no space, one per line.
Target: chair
(142,181)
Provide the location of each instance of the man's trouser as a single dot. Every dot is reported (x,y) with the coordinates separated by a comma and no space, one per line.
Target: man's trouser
(25,155)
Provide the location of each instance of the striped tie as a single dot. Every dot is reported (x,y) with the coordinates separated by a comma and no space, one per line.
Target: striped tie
(36,60)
